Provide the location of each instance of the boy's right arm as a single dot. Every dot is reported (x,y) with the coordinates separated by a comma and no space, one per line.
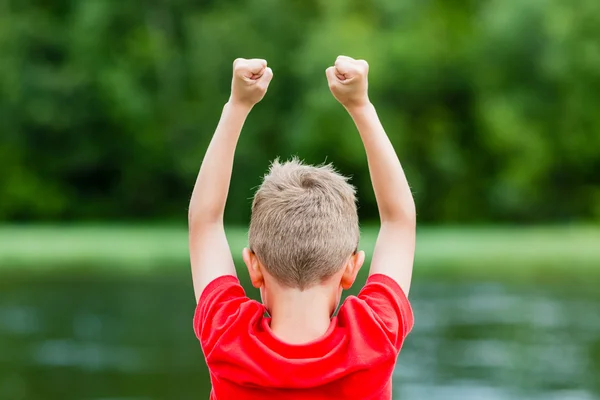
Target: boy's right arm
(395,246)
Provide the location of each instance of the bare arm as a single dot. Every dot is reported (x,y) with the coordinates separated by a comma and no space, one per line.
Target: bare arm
(395,246)
(209,251)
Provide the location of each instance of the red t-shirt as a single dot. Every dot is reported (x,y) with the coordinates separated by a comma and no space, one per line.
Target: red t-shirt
(354,359)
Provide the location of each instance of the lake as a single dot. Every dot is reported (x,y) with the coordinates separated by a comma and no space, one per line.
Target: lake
(99,336)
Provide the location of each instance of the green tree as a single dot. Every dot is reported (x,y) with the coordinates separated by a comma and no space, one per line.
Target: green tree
(106,108)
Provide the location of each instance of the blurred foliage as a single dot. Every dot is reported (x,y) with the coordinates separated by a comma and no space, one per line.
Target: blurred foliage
(106,108)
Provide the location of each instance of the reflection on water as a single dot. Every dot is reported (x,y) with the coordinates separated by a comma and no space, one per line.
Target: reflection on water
(83,336)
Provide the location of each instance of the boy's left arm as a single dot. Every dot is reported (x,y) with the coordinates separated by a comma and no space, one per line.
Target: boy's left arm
(210,255)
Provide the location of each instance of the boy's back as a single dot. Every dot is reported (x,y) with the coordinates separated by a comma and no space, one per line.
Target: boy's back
(302,254)
(354,359)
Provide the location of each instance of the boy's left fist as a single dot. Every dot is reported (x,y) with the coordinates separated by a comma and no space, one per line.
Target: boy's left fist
(348,81)
(250,81)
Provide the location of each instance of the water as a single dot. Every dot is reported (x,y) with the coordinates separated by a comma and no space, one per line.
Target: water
(70,335)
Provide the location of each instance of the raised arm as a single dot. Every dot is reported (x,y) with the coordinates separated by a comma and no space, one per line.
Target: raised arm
(209,252)
(395,246)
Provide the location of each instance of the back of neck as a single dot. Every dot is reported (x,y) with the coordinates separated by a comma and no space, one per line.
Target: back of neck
(299,317)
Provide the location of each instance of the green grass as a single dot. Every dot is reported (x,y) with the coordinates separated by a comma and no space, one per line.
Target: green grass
(492,252)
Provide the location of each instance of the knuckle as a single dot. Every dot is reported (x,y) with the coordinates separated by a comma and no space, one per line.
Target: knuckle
(340,59)
(342,66)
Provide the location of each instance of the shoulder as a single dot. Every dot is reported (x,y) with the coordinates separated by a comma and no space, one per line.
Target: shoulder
(224,292)
(379,285)
(222,305)
(226,285)
(381,307)
(380,290)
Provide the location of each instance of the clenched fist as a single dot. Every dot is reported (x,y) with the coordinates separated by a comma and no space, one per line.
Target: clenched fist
(348,81)
(250,81)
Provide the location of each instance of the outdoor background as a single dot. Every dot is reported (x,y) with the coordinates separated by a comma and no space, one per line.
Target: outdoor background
(107,107)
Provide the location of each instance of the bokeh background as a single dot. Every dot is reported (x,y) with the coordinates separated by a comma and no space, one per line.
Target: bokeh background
(107,107)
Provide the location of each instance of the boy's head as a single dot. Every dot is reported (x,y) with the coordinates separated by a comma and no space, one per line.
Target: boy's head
(304,225)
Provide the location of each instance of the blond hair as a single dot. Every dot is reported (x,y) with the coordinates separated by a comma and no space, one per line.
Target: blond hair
(304,223)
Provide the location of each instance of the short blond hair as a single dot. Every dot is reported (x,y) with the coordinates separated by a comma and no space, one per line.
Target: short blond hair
(304,223)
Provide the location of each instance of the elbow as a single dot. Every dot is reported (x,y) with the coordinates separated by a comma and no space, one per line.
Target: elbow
(408,218)
(199,216)
(411,213)
(405,216)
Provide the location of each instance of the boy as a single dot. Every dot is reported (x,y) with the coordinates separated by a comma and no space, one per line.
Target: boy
(302,253)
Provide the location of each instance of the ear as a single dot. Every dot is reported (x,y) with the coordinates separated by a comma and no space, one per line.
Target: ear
(351,270)
(254,268)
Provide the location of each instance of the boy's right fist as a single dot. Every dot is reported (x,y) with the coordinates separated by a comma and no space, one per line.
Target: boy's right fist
(250,81)
(348,81)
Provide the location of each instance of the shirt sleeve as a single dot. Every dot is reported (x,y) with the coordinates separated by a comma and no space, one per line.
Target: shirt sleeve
(218,307)
(390,307)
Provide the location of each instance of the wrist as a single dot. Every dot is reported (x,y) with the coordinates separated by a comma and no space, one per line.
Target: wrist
(238,106)
(359,109)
